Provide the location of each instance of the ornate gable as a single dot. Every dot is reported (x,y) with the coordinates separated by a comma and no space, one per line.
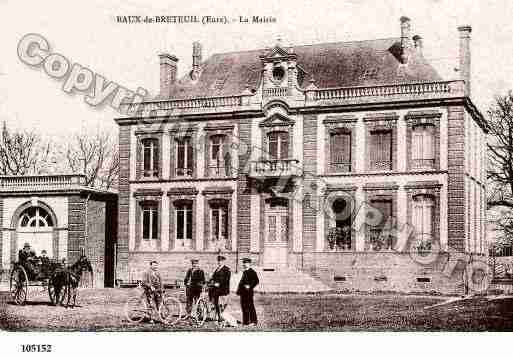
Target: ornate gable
(277,119)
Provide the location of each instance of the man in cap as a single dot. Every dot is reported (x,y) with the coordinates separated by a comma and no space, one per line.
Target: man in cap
(152,284)
(194,281)
(245,290)
(27,258)
(219,284)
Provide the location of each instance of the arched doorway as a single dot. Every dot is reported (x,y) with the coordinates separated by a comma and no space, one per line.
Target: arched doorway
(34,225)
(276,232)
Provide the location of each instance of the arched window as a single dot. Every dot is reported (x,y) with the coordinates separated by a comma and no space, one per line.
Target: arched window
(423,149)
(35,217)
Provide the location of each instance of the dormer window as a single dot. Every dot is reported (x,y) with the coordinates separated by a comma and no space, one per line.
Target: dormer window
(278,74)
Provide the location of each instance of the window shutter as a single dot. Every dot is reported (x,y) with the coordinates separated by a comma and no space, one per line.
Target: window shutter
(155,223)
(227,158)
(284,150)
(190,155)
(138,160)
(273,146)
(189,221)
(156,158)
(180,157)
(146,223)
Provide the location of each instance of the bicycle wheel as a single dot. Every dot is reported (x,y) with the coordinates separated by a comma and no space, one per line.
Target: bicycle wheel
(170,310)
(136,309)
(199,312)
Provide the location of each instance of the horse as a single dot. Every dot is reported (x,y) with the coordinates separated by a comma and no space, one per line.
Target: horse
(69,280)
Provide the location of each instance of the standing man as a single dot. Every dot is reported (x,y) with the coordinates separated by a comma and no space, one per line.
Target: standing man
(152,284)
(245,290)
(194,281)
(219,284)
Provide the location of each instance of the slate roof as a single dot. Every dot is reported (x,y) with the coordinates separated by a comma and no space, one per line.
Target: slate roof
(338,64)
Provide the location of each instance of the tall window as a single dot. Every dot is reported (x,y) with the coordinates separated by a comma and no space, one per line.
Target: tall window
(219,221)
(217,156)
(341,233)
(380,236)
(183,211)
(423,152)
(381,150)
(278,145)
(150,222)
(340,145)
(150,147)
(35,217)
(422,220)
(184,157)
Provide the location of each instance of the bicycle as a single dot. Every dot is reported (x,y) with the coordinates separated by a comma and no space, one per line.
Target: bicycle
(203,308)
(137,310)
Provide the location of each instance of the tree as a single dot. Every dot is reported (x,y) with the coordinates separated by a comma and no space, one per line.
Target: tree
(96,156)
(22,152)
(500,166)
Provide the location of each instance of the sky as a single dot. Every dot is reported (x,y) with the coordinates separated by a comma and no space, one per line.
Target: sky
(88,34)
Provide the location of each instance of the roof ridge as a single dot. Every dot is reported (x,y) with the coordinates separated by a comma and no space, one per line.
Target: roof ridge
(307,45)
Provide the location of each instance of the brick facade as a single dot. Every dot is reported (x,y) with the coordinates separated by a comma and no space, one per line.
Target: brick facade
(124,202)
(250,105)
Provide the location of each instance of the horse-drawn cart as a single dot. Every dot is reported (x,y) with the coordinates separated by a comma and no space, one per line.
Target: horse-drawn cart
(20,281)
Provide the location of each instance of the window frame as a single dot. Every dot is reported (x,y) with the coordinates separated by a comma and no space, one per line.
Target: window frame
(153,226)
(154,157)
(187,144)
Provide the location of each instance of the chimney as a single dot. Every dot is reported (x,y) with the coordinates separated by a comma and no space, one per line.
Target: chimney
(196,59)
(405,38)
(417,41)
(168,67)
(464,55)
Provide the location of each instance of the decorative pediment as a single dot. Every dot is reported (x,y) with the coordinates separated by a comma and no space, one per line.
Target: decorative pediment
(277,119)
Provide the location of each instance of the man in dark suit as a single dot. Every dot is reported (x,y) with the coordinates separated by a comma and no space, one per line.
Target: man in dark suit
(245,290)
(152,284)
(194,281)
(28,259)
(219,284)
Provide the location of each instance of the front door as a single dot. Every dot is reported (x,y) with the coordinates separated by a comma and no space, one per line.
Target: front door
(276,235)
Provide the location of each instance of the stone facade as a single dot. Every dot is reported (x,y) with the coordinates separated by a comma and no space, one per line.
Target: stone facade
(415,152)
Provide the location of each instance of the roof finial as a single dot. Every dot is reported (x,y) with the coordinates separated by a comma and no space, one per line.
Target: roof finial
(278,41)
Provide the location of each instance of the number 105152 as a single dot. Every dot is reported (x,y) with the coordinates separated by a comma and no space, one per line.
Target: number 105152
(36,348)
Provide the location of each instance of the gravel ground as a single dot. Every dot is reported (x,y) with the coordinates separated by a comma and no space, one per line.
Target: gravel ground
(102,310)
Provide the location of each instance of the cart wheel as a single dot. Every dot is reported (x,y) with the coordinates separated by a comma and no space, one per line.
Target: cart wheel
(136,309)
(170,310)
(19,285)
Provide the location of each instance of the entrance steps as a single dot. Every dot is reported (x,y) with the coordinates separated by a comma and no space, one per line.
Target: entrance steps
(283,280)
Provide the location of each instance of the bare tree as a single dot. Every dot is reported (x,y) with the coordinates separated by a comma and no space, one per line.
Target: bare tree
(22,152)
(96,156)
(500,166)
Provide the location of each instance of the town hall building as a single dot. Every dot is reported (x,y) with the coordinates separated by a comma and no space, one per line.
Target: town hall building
(351,162)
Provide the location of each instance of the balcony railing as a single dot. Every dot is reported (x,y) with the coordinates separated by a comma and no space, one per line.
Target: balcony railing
(275,168)
(424,88)
(41,182)
(276,92)
(195,103)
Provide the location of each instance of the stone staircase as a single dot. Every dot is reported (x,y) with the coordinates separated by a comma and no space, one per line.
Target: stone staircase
(283,280)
